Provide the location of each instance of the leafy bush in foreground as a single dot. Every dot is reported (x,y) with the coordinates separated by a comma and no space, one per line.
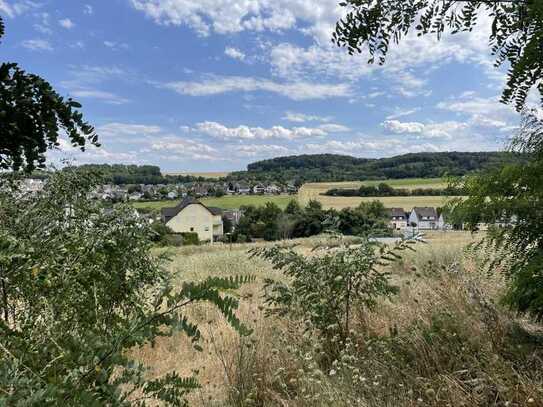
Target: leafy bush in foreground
(78,288)
(326,289)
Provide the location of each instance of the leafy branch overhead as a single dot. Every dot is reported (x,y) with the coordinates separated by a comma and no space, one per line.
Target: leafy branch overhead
(516,32)
(33,117)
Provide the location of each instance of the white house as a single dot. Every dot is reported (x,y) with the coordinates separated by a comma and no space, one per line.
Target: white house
(423,218)
(193,216)
(398,218)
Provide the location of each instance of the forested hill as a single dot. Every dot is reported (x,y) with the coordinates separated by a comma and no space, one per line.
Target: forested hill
(332,167)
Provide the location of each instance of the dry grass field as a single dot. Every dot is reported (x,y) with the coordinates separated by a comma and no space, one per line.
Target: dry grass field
(451,347)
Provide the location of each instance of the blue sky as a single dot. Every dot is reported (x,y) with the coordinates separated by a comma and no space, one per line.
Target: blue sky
(213,85)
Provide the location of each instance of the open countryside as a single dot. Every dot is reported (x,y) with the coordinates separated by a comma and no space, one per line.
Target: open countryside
(315,191)
(255,203)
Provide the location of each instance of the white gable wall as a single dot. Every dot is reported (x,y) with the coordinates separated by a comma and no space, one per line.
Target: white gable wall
(196,218)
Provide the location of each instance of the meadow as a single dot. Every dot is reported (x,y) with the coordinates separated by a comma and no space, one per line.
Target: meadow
(315,190)
(441,341)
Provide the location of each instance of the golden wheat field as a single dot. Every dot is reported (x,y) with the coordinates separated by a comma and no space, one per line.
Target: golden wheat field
(212,174)
(314,191)
(278,365)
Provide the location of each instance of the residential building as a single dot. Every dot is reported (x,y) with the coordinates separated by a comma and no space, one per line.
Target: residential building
(190,215)
(423,218)
(398,218)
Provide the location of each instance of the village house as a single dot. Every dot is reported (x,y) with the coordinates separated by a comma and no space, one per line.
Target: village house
(192,216)
(423,218)
(259,189)
(242,188)
(398,218)
(273,189)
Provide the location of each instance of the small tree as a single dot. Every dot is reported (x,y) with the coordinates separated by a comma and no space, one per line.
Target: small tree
(510,199)
(325,289)
(79,287)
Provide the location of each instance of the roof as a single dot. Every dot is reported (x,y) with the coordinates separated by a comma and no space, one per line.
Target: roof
(171,212)
(396,212)
(426,211)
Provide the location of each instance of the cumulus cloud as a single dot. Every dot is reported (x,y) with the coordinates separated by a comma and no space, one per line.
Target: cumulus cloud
(87,9)
(444,130)
(215,85)
(234,53)
(66,23)
(217,130)
(225,16)
(334,128)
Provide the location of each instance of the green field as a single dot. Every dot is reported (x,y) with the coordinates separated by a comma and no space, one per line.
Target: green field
(225,202)
(316,190)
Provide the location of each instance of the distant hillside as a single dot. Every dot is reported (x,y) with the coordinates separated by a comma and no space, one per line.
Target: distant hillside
(332,167)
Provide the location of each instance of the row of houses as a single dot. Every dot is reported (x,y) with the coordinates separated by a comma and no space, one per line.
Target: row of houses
(421,218)
(175,191)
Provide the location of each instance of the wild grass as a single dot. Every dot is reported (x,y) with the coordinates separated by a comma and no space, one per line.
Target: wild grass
(444,340)
(314,191)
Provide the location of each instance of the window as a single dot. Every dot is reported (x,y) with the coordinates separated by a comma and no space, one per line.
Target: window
(207,229)
(192,229)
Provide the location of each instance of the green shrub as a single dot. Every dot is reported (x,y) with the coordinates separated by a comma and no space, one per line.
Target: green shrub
(80,288)
(190,239)
(325,289)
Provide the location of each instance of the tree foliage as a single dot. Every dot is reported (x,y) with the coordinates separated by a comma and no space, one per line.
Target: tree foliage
(333,167)
(516,32)
(32,117)
(79,287)
(512,199)
(326,289)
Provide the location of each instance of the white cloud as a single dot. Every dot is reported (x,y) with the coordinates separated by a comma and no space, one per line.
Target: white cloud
(217,130)
(37,45)
(116,129)
(227,16)
(215,85)
(87,9)
(444,130)
(302,118)
(354,147)
(401,113)
(116,46)
(259,150)
(13,9)
(107,97)
(184,148)
(397,127)
(66,23)
(234,53)
(334,128)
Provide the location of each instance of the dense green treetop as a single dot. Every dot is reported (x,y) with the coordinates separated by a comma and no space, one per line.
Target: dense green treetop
(516,32)
(332,167)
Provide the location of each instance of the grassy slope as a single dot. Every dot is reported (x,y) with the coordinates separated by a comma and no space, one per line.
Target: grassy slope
(465,362)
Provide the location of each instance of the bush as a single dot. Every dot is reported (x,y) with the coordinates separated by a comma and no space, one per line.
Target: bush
(325,289)
(190,239)
(80,288)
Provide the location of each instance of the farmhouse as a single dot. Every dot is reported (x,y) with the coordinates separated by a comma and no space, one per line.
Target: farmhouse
(423,218)
(190,215)
(398,218)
